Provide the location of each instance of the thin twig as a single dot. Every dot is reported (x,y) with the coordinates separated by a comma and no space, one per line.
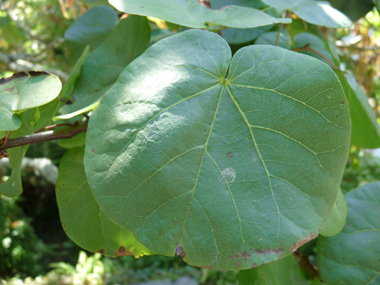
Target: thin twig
(307,47)
(45,136)
(86,116)
(52,127)
(278,35)
(7,138)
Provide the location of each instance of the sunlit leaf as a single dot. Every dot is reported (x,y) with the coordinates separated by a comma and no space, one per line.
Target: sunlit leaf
(24,91)
(225,162)
(316,12)
(190,13)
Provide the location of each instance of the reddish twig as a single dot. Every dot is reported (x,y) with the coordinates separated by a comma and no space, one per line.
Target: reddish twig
(52,127)
(307,47)
(7,139)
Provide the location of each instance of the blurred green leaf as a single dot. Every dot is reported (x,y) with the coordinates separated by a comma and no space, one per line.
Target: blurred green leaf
(270,39)
(365,128)
(354,9)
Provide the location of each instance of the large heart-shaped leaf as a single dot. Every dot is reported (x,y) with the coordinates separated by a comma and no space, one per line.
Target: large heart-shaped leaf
(128,40)
(226,162)
(22,91)
(82,219)
(316,12)
(190,13)
(365,128)
(352,256)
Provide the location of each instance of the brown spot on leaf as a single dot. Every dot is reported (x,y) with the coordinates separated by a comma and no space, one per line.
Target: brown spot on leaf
(302,242)
(238,263)
(122,251)
(63,184)
(343,103)
(10,89)
(179,251)
(3,153)
(102,251)
(38,73)
(206,267)
(269,251)
(254,264)
(91,151)
(235,256)
(245,255)
(142,7)
(343,258)
(229,154)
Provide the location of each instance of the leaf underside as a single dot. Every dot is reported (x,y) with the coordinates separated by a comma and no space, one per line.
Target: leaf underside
(228,163)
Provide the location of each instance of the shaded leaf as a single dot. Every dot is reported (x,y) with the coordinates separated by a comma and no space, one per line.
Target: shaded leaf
(337,218)
(78,140)
(204,166)
(82,219)
(365,128)
(128,40)
(352,256)
(285,271)
(354,9)
(190,13)
(24,91)
(92,28)
(270,39)
(316,12)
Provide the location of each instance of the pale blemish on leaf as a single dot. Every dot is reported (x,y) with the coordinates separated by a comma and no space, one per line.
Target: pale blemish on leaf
(229,175)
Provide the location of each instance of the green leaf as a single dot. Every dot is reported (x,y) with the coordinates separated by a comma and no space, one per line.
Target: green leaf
(285,271)
(13,186)
(354,9)
(82,219)
(68,88)
(190,13)
(365,128)
(352,256)
(127,41)
(316,12)
(270,39)
(24,91)
(315,43)
(238,36)
(92,28)
(337,218)
(205,166)
(47,113)
(78,140)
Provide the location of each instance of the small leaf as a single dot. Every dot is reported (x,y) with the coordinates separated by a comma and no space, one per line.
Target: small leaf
(190,13)
(365,128)
(352,256)
(82,219)
(285,271)
(77,141)
(202,155)
(128,40)
(22,91)
(67,90)
(316,12)
(92,28)
(270,39)
(337,218)
(13,186)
